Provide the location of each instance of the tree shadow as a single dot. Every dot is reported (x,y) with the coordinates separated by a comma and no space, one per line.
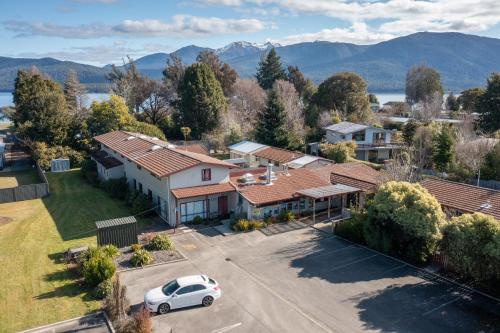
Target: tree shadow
(427,307)
(72,289)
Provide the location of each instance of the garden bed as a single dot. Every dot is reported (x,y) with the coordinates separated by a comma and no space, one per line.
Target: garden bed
(159,257)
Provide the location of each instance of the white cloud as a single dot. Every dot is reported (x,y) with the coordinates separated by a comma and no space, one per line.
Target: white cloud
(358,33)
(399,16)
(180,26)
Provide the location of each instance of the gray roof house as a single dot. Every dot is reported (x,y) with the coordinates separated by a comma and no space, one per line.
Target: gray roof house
(373,143)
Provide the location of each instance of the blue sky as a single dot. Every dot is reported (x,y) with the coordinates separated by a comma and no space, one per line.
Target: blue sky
(104,31)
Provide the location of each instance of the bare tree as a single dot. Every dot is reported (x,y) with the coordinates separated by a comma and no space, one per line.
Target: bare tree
(247,101)
(75,94)
(155,105)
(471,153)
(294,108)
(430,108)
(402,167)
(422,144)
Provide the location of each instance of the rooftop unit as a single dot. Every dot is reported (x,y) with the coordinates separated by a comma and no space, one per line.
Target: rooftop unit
(247,179)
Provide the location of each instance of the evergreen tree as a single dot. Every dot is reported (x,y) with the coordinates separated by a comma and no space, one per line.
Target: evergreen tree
(224,73)
(421,84)
(468,99)
(41,111)
(488,105)
(75,94)
(201,100)
(270,127)
(270,70)
(452,103)
(443,153)
(304,86)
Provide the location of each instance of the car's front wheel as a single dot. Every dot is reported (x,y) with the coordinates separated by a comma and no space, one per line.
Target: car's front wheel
(207,301)
(163,308)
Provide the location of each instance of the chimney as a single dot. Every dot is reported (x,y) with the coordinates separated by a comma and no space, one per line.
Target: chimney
(268,175)
(285,170)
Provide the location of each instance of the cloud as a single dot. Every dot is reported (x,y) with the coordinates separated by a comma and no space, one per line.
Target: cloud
(358,33)
(180,26)
(398,17)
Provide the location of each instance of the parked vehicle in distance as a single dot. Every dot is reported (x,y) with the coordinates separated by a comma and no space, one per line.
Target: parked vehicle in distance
(183,292)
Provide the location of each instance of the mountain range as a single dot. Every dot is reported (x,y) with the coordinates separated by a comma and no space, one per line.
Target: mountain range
(463,60)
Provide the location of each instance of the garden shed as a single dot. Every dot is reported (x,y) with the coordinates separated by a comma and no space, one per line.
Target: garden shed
(120,232)
(59,165)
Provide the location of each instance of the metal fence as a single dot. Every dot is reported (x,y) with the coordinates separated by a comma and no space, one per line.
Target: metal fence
(26,192)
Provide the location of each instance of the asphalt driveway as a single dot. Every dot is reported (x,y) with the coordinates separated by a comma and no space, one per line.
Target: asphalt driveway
(308,281)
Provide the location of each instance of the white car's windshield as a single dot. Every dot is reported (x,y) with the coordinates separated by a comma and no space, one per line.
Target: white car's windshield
(170,287)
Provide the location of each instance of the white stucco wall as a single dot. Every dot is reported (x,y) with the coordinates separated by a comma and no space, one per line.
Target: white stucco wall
(192,176)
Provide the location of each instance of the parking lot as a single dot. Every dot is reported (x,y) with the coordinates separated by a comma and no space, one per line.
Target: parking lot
(308,281)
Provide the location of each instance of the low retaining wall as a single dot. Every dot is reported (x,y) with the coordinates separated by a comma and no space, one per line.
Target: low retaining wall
(26,192)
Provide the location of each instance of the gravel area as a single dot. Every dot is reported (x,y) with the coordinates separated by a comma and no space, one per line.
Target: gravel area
(159,257)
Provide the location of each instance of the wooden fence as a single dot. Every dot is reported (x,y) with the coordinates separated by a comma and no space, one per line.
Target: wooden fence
(26,192)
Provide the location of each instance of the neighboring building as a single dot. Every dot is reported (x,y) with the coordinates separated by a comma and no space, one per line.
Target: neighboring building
(404,120)
(308,161)
(181,184)
(357,175)
(459,198)
(301,191)
(246,150)
(373,143)
(276,156)
(375,107)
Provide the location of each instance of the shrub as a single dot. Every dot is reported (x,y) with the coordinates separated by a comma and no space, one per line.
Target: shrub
(340,152)
(352,229)
(471,242)
(141,204)
(286,216)
(111,251)
(269,220)
(136,247)
(161,242)
(255,224)
(241,225)
(117,188)
(97,269)
(141,258)
(130,197)
(142,320)
(89,172)
(404,220)
(103,289)
(197,220)
(44,154)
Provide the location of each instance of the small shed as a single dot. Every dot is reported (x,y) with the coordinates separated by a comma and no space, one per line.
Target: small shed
(120,232)
(59,165)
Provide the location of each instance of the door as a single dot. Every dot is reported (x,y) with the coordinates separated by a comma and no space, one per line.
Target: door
(223,212)
(181,298)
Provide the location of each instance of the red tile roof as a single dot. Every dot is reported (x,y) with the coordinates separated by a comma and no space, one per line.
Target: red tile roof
(197,191)
(156,156)
(278,154)
(357,175)
(464,197)
(195,148)
(284,187)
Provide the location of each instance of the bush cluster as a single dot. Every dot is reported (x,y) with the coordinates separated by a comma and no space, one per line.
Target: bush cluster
(103,289)
(117,188)
(89,172)
(141,258)
(97,266)
(286,216)
(246,225)
(352,229)
(197,220)
(43,155)
(140,203)
(161,242)
(136,247)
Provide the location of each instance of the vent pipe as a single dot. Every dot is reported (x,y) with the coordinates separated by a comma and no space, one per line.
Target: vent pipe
(269,174)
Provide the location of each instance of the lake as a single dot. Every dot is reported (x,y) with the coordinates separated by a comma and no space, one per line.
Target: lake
(6,99)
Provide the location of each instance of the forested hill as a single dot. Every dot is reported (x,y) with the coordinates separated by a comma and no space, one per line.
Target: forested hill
(463,60)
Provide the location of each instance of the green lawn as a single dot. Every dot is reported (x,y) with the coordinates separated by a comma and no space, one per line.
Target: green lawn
(35,288)
(13,179)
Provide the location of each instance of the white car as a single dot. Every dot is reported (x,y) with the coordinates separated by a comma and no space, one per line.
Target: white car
(183,292)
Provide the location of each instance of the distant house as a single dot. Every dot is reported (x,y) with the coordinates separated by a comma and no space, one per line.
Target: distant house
(458,198)
(308,161)
(373,143)
(3,152)
(375,107)
(246,150)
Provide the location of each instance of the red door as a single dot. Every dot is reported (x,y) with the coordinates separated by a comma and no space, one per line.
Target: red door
(223,212)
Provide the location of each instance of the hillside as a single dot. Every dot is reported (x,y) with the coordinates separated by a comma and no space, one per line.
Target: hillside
(463,60)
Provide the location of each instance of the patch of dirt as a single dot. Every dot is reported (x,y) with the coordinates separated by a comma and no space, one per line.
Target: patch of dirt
(123,260)
(5,220)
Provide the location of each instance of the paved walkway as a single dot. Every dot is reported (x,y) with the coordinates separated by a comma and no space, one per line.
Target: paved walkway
(279,228)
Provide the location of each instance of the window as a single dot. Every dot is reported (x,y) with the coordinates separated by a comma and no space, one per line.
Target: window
(190,210)
(139,167)
(150,195)
(135,183)
(206,174)
(197,287)
(359,136)
(185,290)
(170,287)
(140,187)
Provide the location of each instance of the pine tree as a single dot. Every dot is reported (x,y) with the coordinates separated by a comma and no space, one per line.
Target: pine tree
(443,153)
(270,70)
(270,127)
(201,100)
(74,92)
(488,105)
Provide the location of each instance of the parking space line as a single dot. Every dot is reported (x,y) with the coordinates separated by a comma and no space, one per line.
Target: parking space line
(226,329)
(276,294)
(330,252)
(447,303)
(353,262)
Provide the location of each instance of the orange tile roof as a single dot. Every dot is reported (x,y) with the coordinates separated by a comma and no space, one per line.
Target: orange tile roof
(156,156)
(197,191)
(278,154)
(195,148)
(358,171)
(284,187)
(366,187)
(464,197)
